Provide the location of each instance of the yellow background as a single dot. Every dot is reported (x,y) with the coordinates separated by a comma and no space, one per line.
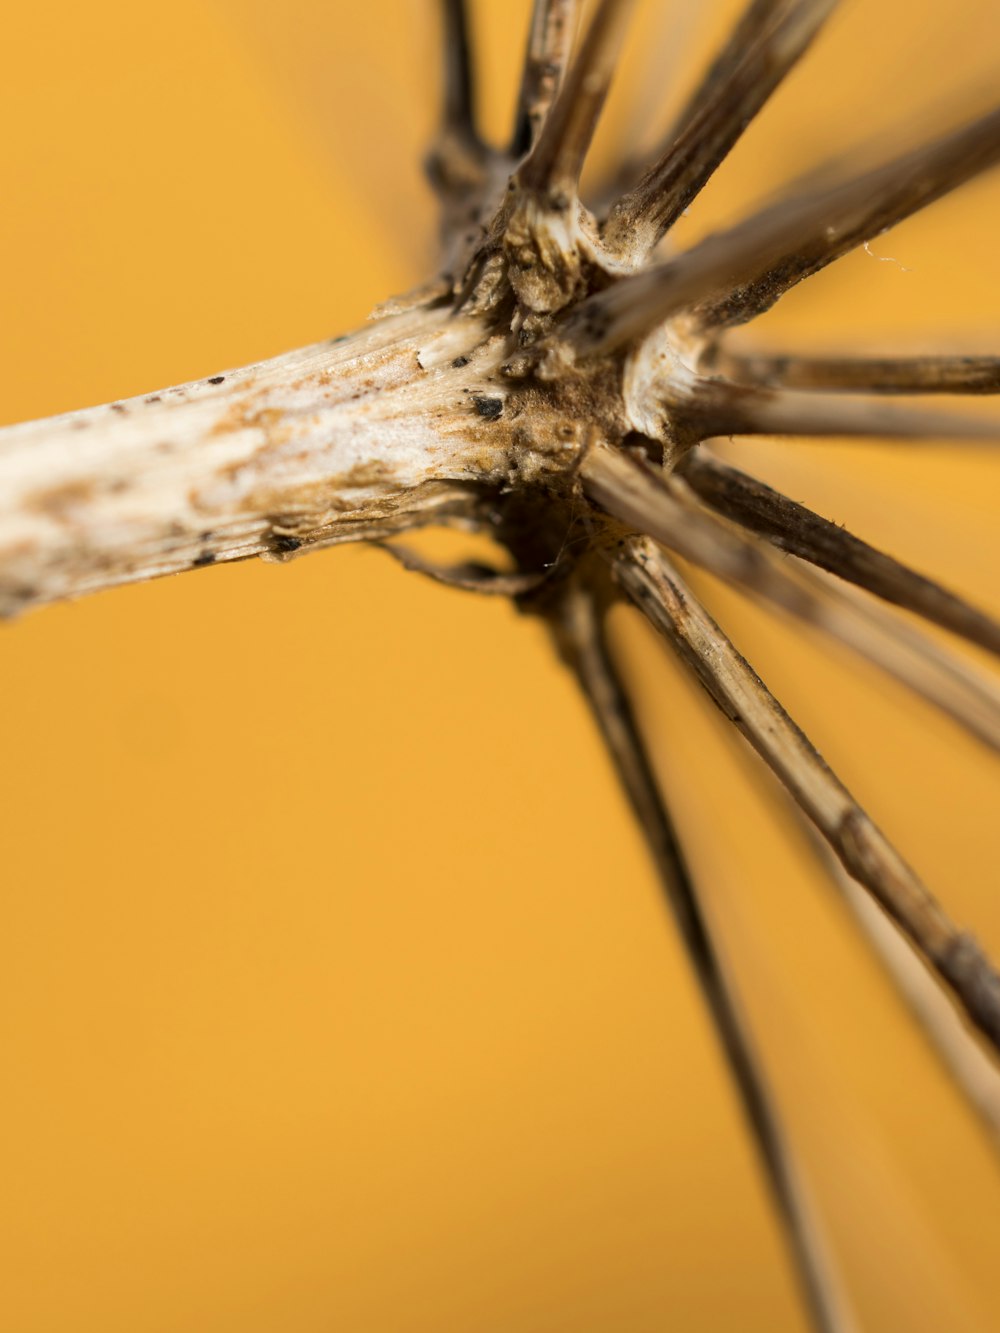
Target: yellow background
(336,993)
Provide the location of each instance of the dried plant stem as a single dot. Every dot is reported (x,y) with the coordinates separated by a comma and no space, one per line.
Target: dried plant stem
(525,393)
(795,529)
(857,210)
(550,39)
(664,507)
(882,374)
(345,441)
(661,594)
(580,632)
(764,46)
(716,409)
(557,158)
(735,275)
(963,1057)
(459,95)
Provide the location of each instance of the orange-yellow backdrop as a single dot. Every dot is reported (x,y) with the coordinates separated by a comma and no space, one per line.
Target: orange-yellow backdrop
(336,993)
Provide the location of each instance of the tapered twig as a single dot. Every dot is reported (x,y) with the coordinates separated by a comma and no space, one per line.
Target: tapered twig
(469,576)
(736,274)
(659,591)
(629,488)
(882,374)
(765,45)
(459,97)
(557,158)
(861,208)
(457,161)
(961,1054)
(550,39)
(580,633)
(664,508)
(716,408)
(794,528)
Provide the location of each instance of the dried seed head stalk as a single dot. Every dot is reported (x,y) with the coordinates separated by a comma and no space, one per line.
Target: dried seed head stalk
(555,375)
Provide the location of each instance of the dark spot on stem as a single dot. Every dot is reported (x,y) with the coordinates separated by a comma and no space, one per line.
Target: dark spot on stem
(459,362)
(286,544)
(490,408)
(205,558)
(217,379)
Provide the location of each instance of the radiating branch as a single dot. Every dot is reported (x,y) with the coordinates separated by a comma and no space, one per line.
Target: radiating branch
(769,40)
(557,158)
(974,1074)
(858,210)
(663,507)
(736,274)
(718,408)
(580,632)
(459,95)
(458,159)
(794,528)
(550,39)
(854,374)
(661,594)
(468,576)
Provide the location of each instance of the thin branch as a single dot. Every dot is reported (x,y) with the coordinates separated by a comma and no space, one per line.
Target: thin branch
(736,274)
(795,529)
(580,633)
(557,158)
(658,590)
(882,374)
(459,96)
(860,209)
(963,1057)
(716,408)
(469,576)
(550,39)
(458,162)
(769,40)
(662,507)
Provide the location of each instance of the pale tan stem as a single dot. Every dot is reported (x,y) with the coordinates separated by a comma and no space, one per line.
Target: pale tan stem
(580,633)
(347,440)
(658,590)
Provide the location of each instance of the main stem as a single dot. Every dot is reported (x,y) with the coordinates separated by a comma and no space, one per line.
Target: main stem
(352,439)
